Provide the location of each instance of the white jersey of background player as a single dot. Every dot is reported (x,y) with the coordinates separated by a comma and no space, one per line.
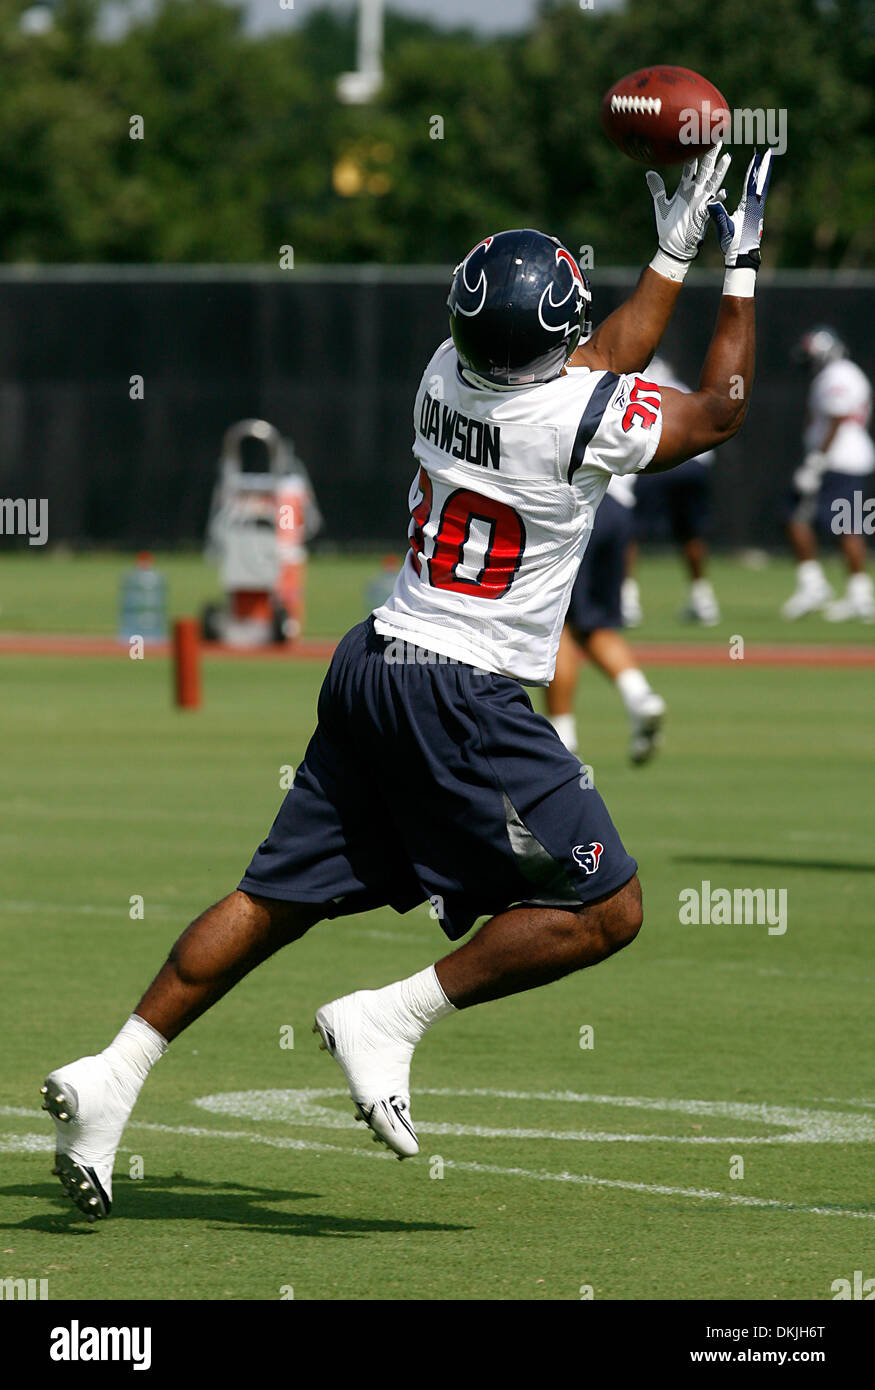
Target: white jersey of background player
(489,584)
(841,391)
(839,456)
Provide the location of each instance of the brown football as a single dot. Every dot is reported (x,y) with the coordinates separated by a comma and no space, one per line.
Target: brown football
(664,115)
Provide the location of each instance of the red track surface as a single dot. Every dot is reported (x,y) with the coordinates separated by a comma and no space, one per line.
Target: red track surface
(650,653)
(76,644)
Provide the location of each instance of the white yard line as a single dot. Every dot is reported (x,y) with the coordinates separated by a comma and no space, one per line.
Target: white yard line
(797,1125)
(84,909)
(30,1143)
(302,1108)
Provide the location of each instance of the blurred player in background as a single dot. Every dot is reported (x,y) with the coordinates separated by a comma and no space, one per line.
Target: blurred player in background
(592,622)
(683,497)
(838,463)
(429,777)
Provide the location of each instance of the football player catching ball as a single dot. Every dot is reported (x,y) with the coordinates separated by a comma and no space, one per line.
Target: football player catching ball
(429,776)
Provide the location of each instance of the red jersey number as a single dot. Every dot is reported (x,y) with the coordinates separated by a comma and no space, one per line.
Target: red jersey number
(645,410)
(469,525)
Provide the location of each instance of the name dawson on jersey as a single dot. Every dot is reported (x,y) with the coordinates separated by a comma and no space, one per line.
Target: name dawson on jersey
(458,435)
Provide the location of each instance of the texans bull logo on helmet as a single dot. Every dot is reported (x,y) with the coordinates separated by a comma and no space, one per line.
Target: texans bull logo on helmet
(570,306)
(587,856)
(471,298)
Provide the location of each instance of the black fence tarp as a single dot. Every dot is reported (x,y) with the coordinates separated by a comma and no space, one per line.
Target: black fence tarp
(333,360)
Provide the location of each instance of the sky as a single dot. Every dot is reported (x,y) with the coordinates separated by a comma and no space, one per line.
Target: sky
(486,16)
(489,16)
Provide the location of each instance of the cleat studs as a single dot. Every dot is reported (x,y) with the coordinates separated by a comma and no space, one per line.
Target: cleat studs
(63,1115)
(83,1187)
(59,1100)
(92,1202)
(43,1090)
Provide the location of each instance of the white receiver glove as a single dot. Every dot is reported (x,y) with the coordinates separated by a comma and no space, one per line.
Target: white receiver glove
(807,477)
(682,219)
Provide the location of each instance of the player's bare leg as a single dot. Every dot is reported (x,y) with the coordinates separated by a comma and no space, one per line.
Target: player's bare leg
(560,691)
(858,601)
(853,549)
(372,1034)
(531,946)
(695,553)
(701,606)
(812,590)
(610,651)
(218,949)
(803,541)
(630,594)
(91,1099)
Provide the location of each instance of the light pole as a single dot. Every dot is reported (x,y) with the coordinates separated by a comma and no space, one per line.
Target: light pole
(38,19)
(361,86)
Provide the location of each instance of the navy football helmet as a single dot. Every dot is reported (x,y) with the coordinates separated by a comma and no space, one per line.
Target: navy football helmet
(519,303)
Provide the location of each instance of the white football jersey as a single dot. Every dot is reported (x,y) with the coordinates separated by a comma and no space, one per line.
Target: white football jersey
(621,487)
(507,486)
(841,390)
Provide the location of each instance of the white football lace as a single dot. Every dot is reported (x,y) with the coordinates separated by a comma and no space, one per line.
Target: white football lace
(650,106)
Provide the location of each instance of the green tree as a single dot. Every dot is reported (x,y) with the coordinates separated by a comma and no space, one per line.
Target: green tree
(246,147)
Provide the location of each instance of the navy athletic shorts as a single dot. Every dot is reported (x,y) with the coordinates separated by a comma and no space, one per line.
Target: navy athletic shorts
(595,597)
(818,509)
(429,779)
(678,498)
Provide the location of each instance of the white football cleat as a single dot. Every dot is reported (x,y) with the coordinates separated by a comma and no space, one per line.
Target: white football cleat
(376,1066)
(647,728)
(858,602)
(90,1110)
(808,598)
(701,606)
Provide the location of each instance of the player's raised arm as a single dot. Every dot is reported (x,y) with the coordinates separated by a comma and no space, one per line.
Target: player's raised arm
(713,413)
(628,338)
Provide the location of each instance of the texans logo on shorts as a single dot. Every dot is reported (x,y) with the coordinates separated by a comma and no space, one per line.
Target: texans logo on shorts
(588,856)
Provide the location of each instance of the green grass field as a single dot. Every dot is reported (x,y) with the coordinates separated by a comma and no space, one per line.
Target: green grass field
(560,1166)
(59,592)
